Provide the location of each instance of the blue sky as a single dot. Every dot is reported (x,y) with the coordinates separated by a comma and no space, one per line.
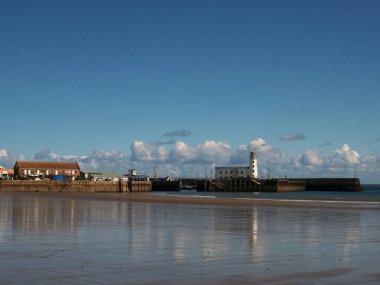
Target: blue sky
(186,85)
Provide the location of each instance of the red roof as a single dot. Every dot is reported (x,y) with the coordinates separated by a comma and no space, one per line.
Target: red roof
(47,165)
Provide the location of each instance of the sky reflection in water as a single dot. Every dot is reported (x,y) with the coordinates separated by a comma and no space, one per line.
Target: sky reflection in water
(91,241)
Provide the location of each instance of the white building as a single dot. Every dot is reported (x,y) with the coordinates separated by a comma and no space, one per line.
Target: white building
(236,172)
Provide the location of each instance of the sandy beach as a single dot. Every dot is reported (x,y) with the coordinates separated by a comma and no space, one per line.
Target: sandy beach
(208,199)
(150,238)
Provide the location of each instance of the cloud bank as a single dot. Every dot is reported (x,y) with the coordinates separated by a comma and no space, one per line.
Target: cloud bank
(190,160)
(8,159)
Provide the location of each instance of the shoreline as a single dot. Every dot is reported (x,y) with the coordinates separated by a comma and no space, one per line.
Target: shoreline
(205,200)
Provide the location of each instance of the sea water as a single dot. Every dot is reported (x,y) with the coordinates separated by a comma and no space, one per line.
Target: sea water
(58,239)
(369,193)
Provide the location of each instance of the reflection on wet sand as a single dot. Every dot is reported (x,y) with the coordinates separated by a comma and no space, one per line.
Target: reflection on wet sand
(70,240)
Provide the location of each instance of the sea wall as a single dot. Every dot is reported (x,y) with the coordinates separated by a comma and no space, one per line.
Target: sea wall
(332,184)
(286,185)
(238,185)
(279,185)
(139,186)
(74,186)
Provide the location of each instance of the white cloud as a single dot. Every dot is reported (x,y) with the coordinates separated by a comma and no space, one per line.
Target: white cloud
(343,162)
(148,152)
(3,153)
(208,152)
(103,154)
(344,157)
(371,159)
(305,164)
(183,152)
(260,146)
(8,159)
(47,155)
(262,149)
(311,157)
(215,152)
(182,159)
(99,159)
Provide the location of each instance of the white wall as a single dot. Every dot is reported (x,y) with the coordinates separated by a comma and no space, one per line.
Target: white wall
(231,172)
(251,171)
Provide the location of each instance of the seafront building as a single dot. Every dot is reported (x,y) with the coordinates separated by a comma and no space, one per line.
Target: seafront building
(33,169)
(102,175)
(6,173)
(236,172)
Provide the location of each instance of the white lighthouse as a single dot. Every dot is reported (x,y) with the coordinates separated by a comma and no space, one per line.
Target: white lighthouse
(253,165)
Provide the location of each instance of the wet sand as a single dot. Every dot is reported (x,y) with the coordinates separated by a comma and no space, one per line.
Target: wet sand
(174,198)
(88,238)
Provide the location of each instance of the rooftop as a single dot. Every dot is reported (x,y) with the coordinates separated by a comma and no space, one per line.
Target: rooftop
(47,165)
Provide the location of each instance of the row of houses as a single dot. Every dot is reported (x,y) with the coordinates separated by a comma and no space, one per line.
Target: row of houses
(55,170)
(33,170)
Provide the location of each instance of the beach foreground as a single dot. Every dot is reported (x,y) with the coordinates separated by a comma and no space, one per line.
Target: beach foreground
(79,238)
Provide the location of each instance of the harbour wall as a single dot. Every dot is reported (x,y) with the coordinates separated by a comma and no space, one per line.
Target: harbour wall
(332,184)
(74,186)
(209,185)
(279,185)
(166,185)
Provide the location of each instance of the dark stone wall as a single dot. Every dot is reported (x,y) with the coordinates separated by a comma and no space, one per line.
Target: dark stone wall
(73,186)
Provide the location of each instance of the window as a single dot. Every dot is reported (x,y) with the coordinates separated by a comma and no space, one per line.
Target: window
(220,172)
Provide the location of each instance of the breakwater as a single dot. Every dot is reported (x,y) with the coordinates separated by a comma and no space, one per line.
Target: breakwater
(166,185)
(208,185)
(74,186)
(279,185)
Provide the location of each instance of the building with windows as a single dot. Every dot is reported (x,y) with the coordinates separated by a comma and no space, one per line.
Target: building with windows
(237,172)
(96,175)
(6,173)
(30,170)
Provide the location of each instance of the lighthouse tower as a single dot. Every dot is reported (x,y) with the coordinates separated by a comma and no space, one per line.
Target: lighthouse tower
(253,165)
